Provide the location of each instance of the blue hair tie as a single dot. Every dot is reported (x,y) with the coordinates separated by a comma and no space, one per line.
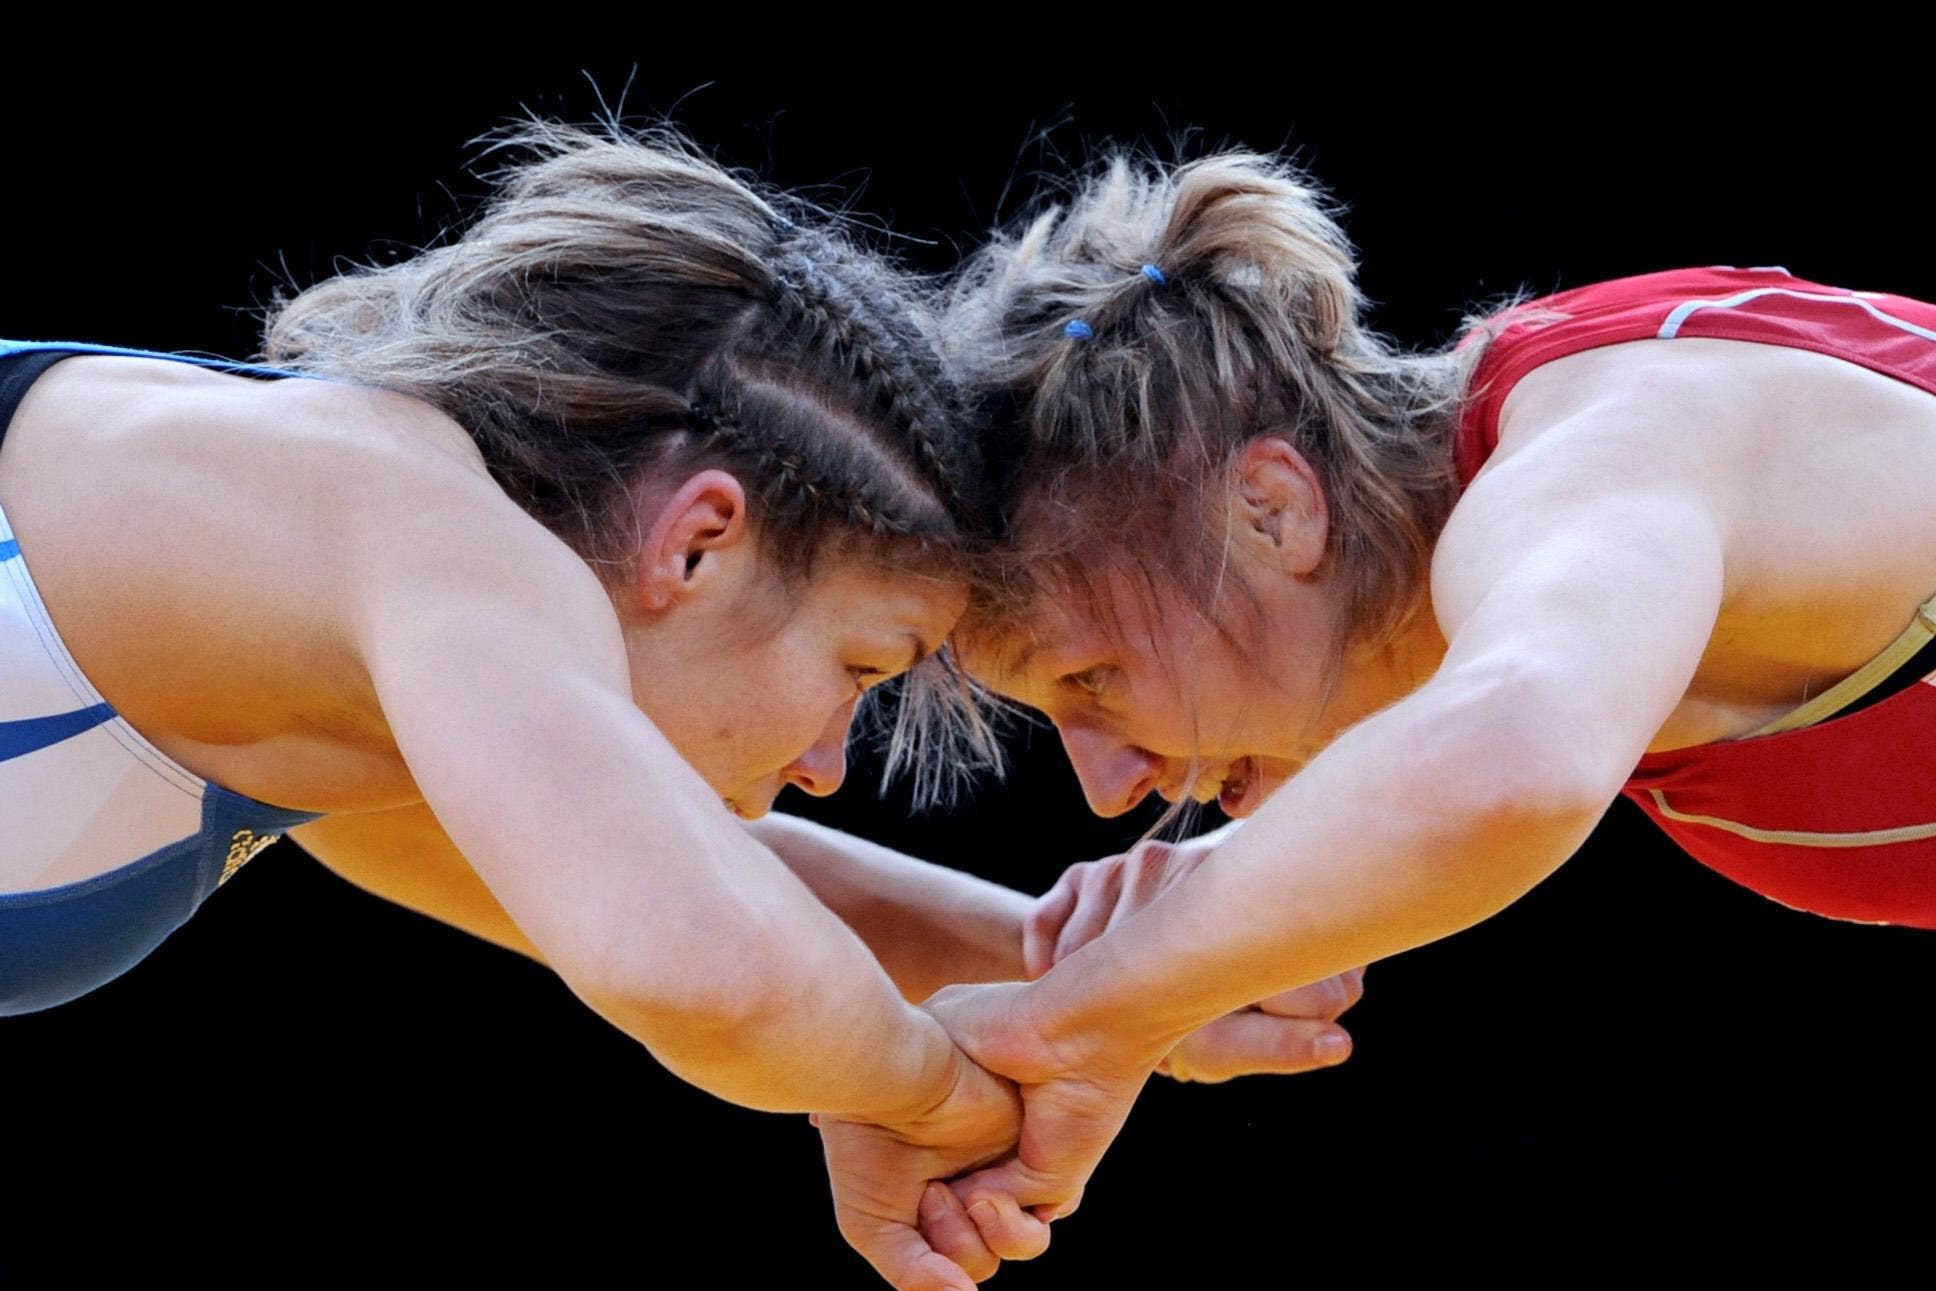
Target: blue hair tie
(1078,329)
(1155,275)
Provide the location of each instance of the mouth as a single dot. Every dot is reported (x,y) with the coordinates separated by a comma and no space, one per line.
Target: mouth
(1237,788)
(1240,789)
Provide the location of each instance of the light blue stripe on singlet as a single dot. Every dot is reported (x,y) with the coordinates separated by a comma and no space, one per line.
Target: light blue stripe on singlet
(8,550)
(17,739)
(1686,309)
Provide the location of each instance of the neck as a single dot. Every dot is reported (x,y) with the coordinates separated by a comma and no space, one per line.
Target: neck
(1372,678)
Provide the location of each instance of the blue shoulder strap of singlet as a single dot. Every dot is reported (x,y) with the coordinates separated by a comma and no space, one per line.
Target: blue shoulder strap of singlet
(17,738)
(88,347)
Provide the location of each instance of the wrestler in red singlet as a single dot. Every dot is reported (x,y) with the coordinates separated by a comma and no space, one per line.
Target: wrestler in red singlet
(1831,809)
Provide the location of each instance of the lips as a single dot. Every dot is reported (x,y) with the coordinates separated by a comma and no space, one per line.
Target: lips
(1239,784)
(1239,788)
(1206,787)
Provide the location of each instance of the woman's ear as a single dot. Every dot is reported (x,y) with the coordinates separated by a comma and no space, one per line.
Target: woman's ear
(1280,504)
(704,515)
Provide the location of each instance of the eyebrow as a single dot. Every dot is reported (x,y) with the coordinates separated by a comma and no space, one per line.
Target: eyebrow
(1019,661)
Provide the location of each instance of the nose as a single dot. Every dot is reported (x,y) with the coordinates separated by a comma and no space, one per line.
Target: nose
(1115,776)
(821,769)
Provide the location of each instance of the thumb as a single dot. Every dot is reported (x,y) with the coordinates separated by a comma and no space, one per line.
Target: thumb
(900,1255)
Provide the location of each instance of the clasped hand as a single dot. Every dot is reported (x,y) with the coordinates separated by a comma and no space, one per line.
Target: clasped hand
(1026,1121)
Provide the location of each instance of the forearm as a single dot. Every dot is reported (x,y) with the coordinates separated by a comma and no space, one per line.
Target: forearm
(683,931)
(744,984)
(928,925)
(721,1039)
(1407,829)
(815,1025)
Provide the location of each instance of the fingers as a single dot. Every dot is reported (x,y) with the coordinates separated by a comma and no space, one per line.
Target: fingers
(1328,999)
(1095,896)
(1255,1043)
(949,1230)
(1044,925)
(1099,888)
(1146,872)
(1066,1209)
(901,1256)
(1010,1231)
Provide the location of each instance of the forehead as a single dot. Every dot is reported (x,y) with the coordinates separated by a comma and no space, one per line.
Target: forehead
(860,591)
(1119,607)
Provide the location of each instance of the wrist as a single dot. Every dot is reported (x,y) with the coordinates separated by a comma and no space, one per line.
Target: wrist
(931,1071)
(1078,1028)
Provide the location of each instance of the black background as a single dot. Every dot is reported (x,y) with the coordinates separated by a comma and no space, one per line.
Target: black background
(1638,1062)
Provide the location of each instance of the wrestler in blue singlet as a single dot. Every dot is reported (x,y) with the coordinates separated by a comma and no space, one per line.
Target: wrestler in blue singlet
(125,843)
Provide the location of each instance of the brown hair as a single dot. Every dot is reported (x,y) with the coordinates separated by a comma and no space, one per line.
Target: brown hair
(1126,341)
(623,309)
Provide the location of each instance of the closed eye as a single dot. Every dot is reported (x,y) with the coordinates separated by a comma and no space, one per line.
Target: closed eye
(1091,681)
(867,678)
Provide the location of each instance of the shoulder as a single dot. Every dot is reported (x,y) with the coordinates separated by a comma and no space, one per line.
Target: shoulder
(403,499)
(1669,377)
(306,499)
(1699,409)
(1603,428)
(127,417)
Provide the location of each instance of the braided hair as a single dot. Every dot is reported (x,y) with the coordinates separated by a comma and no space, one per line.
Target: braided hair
(624,309)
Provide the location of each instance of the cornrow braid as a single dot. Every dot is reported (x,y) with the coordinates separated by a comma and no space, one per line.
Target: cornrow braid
(624,309)
(910,388)
(793,471)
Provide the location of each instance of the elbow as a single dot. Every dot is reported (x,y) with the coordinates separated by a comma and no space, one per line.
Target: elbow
(1516,741)
(1519,786)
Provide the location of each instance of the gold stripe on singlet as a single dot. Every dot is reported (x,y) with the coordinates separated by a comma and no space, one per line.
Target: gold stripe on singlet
(1919,633)
(1798,837)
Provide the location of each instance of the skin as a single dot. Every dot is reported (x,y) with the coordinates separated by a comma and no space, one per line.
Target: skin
(1625,575)
(490,713)
(384,673)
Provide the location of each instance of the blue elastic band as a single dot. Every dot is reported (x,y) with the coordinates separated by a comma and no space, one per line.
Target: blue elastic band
(1155,275)
(1078,329)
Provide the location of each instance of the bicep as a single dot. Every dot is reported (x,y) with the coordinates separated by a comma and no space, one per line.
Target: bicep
(1600,584)
(501,671)
(404,856)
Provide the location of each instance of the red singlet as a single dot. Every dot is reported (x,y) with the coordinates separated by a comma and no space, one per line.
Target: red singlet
(1831,809)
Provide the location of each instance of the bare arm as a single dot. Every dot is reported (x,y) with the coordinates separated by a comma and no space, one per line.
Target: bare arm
(404,855)
(929,926)
(498,663)
(1576,622)
(1578,590)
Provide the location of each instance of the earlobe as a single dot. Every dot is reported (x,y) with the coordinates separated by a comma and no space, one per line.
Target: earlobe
(703,516)
(1281,502)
